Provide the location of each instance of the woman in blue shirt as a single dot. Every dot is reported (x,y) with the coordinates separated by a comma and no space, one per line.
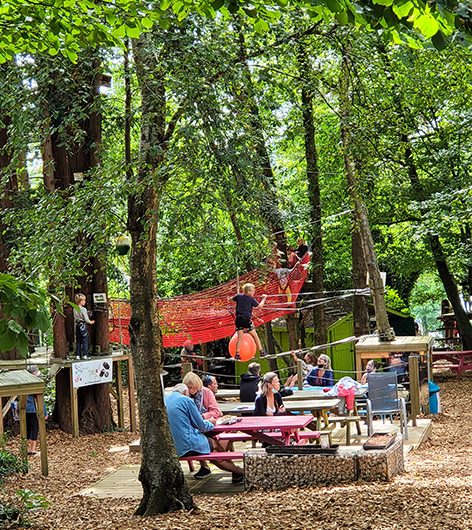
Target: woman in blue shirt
(321,375)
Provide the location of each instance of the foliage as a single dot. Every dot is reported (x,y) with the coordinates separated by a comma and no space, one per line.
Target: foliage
(10,464)
(394,301)
(67,26)
(425,301)
(22,308)
(16,516)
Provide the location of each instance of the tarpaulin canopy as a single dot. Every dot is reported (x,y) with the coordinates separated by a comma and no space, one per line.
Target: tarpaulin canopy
(209,315)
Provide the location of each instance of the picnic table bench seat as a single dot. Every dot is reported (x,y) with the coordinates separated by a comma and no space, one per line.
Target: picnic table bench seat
(223,455)
(345,421)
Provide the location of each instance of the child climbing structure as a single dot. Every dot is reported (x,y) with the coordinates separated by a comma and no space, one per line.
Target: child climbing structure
(209,315)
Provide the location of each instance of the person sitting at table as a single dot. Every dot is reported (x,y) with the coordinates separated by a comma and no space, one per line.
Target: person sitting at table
(250,383)
(371,368)
(202,396)
(269,401)
(308,363)
(397,364)
(208,407)
(322,374)
(188,430)
(209,381)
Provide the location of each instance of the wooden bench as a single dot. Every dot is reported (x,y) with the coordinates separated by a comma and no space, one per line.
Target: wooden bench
(230,455)
(224,455)
(345,421)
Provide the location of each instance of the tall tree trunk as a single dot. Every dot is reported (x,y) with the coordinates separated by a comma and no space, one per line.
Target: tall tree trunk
(450,286)
(359,277)
(345,93)
(8,188)
(164,486)
(313,175)
(63,157)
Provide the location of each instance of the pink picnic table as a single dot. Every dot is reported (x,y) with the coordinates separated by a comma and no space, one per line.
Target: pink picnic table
(256,425)
(460,360)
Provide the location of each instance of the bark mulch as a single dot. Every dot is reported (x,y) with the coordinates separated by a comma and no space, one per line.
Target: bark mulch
(434,493)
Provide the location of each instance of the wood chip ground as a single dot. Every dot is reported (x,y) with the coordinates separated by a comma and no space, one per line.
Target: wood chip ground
(434,493)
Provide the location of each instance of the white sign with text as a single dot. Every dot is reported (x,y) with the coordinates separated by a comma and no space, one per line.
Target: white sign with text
(92,372)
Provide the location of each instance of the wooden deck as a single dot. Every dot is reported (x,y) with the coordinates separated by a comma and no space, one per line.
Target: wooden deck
(123,483)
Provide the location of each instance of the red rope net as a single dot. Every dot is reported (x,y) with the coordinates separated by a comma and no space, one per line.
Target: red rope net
(209,315)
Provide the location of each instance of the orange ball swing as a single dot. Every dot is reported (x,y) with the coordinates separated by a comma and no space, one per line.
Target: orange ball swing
(247,347)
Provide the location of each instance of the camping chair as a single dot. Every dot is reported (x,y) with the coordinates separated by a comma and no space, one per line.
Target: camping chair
(383,400)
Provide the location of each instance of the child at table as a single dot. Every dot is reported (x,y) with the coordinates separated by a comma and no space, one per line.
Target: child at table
(245,302)
(269,401)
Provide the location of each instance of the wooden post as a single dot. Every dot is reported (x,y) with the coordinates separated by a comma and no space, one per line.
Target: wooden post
(23,433)
(42,433)
(205,354)
(131,395)
(414,373)
(1,423)
(186,368)
(358,366)
(300,374)
(74,406)
(119,395)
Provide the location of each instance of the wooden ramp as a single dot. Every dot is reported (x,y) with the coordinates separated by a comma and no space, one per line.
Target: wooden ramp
(124,484)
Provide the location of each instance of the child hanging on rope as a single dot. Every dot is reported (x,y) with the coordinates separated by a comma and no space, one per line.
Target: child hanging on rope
(245,302)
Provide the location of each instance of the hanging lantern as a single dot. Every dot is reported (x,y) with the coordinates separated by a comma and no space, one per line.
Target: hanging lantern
(122,245)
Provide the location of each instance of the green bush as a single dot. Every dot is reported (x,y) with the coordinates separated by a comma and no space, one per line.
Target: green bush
(10,464)
(13,516)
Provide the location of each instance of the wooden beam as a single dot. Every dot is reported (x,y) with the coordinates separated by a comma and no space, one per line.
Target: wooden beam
(74,407)
(414,374)
(131,395)
(119,392)
(39,398)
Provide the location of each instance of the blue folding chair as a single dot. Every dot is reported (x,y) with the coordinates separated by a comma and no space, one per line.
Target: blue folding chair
(383,400)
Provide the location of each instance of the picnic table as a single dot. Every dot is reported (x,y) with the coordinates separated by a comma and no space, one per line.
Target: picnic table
(306,393)
(460,360)
(319,408)
(256,425)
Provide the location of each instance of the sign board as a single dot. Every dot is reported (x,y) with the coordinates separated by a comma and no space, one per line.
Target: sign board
(99,298)
(92,372)
(383,276)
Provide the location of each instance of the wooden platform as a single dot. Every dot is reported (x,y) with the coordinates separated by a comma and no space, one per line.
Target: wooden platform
(124,484)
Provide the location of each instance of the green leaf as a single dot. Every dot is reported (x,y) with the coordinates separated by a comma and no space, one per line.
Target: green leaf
(383,2)
(342,17)
(120,31)
(7,340)
(217,4)
(427,24)
(133,33)
(335,6)
(22,344)
(147,23)
(402,10)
